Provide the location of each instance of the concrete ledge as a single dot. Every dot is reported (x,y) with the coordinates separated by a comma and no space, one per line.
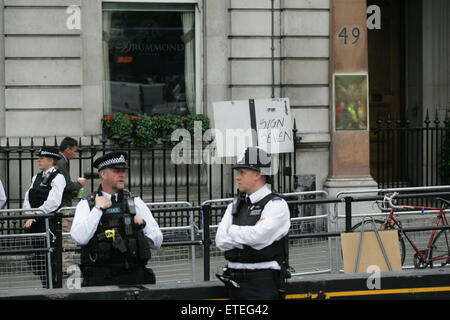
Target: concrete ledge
(187,291)
(406,284)
(414,284)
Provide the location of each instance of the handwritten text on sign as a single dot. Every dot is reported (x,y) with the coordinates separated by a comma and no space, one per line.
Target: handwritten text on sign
(274,125)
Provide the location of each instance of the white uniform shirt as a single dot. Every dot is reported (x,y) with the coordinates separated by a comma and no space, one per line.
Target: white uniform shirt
(2,195)
(55,195)
(85,222)
(274,225)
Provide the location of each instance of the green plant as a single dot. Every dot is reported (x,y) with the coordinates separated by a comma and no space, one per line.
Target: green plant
(120,124)
(168,124)
(190,122)
(145,131)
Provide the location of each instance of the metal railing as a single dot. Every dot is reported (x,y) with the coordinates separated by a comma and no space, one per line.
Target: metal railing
(408,155)
(314,240)
(152,174)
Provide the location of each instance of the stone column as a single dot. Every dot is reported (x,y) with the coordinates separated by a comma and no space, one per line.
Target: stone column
(349,149)
(2,72)
(2,93)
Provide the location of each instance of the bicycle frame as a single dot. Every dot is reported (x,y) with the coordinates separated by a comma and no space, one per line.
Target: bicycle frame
(441,217)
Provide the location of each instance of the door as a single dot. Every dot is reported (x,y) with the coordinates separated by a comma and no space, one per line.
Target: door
(386,83)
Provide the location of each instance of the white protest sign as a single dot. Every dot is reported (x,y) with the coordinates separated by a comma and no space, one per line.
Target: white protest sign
(231,124)
(274,125)
(263,122)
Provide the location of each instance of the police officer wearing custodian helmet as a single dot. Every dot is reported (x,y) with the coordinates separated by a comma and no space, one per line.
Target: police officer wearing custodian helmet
(253,232)
(115,229)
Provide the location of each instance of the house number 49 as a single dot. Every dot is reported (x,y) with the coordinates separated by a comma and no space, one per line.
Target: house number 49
(355,33)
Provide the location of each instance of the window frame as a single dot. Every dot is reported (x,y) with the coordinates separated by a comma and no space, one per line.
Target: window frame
(198,4)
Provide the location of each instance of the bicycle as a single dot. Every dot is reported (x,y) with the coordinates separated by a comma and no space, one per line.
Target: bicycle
(438,248)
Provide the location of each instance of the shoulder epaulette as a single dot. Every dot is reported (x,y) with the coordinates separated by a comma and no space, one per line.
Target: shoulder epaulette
(276,198)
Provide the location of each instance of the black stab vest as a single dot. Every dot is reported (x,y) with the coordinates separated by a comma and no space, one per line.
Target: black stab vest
(38,194)
(248,216)
(126,249)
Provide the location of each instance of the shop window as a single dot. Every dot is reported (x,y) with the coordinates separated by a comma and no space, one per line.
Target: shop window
(149,58)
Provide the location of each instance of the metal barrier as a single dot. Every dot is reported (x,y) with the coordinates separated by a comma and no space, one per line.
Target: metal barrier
(419,219)
(24,256)
(313,255)
(314,240)
(306,256)
(211,254)
(174,262)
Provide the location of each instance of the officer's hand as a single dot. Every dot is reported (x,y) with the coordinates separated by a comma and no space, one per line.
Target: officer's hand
(102,202)
(138,220)
(29,222)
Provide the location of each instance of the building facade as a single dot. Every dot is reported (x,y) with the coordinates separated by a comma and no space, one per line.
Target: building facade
(64,64)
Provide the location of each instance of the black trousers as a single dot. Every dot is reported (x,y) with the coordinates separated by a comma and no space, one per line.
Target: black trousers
(104,276)
(256,287)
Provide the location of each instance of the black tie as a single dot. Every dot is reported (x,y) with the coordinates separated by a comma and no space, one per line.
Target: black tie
(113,199)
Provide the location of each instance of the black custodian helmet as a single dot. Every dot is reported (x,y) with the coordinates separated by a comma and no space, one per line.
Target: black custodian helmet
(255,158)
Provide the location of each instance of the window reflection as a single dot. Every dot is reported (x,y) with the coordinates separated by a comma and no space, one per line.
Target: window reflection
(149,62)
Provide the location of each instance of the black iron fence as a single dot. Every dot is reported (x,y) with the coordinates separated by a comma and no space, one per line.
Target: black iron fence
(153,175)
(407,155)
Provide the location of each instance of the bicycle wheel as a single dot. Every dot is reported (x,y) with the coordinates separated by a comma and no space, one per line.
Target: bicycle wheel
(380,225)
(440,249)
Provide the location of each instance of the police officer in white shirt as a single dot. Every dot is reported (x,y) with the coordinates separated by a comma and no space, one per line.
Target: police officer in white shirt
(2,195)
(253,232)
(115,229)
(45,194)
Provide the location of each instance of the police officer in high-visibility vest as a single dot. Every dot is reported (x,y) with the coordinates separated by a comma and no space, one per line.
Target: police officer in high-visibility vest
(115,229)
(253,232)
(45,194)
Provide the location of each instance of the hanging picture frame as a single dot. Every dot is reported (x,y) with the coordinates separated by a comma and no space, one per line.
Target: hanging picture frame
(350,101)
